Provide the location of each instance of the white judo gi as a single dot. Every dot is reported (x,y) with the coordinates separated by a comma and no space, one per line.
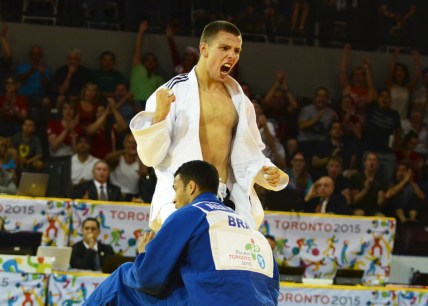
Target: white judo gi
(168,144)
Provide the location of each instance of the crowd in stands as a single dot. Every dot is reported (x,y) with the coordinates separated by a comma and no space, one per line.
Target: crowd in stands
(366,24)
(365,154)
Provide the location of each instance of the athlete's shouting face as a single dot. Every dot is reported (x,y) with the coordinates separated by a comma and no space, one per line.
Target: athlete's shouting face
(221,54)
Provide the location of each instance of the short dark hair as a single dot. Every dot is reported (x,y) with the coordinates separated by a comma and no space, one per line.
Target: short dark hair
(406,73)
(104,53)
(204,174)
(83,137)
(322,88)
(211,30)
(91,219)
(409,136)
(385,90)
(367,153)
(335,121)
(270,237)
(29,119)
(150,54)
(404,163)
(335,158)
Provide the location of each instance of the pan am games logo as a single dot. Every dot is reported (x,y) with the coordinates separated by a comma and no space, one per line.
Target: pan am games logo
(254,251)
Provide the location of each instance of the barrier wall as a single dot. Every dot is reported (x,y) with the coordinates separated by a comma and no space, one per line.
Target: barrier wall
(52,217)
(321,243)
(121,223)
(325,243)
(73,288)
(306,295)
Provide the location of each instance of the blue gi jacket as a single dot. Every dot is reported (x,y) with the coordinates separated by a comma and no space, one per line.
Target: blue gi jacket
(204,254)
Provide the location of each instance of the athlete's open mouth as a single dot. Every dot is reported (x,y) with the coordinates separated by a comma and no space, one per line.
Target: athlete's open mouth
(226,68)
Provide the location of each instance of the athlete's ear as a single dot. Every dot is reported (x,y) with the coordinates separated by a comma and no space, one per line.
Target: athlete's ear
(203,49)
(191,187)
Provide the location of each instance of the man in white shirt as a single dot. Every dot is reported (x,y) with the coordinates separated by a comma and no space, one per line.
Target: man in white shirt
(99,188)
(82,162)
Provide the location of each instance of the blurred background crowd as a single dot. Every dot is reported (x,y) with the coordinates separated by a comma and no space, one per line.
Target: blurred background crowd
(366,152)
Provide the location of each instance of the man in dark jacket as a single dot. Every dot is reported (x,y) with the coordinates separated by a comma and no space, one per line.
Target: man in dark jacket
(99,188)
(321,199)
(89,253)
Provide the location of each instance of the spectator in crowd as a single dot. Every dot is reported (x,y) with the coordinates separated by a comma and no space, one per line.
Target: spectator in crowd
(249,21)
(248,91)
(125,103)
(332,12)
(71,77)
(7,185)
(34,76)
(272,20)
(300,12)
(334,170)
(144,80)
(82,163)
(89,253)
(407,152)
(397,24)
(400,84)
(127,168)
(334,146)
(274,149)
(360,85)
(106,76)
(420,97)
(352,123)
(7,162)
(404,194)
(62,134)
(196,277)
(300,178)
(99,188)
(27,146)
(105,130)
(90,98)
(190,58)
(416,125)
(223,119)
(5,58)
(368,188)
(382,127)
(314,122)
(281,105)
(322,199)
(13,109)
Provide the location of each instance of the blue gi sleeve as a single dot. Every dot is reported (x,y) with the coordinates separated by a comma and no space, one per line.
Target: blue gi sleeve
(151,270)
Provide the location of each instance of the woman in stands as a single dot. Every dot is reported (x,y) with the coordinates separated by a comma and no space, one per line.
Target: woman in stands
(400,84)
(13,109)
(90,99)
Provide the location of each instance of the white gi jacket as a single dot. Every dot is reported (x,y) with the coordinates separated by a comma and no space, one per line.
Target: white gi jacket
(168,144)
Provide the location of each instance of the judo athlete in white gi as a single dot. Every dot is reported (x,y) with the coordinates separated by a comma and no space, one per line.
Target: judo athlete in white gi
(216,259)
(204,115)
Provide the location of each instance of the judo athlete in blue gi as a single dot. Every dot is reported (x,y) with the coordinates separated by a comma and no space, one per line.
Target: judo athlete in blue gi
(204,254)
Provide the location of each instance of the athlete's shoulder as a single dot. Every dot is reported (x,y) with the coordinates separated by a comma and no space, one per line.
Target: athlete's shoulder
(184,77)
(209,206)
